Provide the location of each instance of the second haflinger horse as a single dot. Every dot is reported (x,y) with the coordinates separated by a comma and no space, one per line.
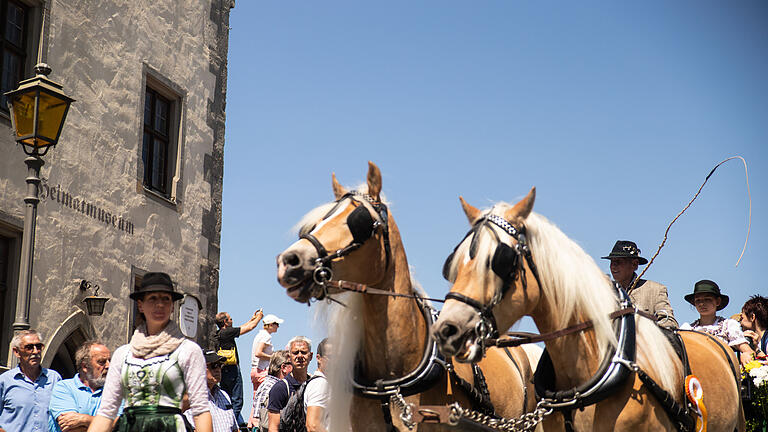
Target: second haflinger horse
(604,367)
(398,378)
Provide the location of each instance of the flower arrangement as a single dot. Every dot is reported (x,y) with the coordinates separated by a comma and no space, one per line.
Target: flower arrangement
(755,379)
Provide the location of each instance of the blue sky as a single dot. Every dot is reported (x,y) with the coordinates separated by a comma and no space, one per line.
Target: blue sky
(615,111)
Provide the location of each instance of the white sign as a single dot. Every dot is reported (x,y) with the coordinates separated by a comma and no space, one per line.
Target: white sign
(188,314)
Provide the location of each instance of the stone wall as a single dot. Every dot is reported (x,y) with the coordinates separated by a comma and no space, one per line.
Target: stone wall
(102,52)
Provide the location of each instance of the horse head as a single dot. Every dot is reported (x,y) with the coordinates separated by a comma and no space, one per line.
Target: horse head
(346,239)
(493,282)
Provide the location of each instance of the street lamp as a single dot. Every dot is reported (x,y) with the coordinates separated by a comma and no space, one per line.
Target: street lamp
(38,109)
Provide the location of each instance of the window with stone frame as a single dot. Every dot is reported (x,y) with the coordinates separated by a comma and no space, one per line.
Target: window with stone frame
(15,22)
(157,151)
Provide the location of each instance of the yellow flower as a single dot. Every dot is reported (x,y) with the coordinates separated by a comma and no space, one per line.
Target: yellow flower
(751,365)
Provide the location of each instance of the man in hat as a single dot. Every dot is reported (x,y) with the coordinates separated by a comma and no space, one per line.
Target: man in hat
(231,380)
(707,299)
(647,295)
(218,402)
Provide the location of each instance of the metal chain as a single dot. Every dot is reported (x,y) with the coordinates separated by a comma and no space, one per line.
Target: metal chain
(526,422)
(406,409)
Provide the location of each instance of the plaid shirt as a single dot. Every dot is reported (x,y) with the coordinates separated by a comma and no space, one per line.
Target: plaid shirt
(221,411)
(262,392)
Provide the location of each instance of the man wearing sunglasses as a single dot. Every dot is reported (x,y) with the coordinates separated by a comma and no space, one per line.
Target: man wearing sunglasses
(218,401)
(25,391)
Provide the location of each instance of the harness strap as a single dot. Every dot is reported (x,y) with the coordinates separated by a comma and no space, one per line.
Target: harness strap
(321,252)
(387,415)
(677,413)
(521,339)
(568,420)
(485,311)
(519,371)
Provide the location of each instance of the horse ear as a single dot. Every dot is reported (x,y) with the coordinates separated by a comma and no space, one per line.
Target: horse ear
(522,209)
(374,181)
(472,212)
(338,189)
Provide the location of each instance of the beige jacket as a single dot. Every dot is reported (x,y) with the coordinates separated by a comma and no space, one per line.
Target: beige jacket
(651,297)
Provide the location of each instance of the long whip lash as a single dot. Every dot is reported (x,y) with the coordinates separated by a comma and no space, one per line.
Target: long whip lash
(749,224)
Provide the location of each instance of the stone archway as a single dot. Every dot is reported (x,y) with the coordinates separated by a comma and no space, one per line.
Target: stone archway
(59,353)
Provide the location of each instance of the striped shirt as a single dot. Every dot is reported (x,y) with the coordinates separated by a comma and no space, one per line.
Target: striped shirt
(262,392)
(221,411)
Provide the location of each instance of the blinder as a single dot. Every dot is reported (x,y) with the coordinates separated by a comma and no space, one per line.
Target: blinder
(361,224)
(505,258)
(505,263)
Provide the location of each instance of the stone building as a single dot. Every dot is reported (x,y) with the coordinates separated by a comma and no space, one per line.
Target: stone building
(135,182)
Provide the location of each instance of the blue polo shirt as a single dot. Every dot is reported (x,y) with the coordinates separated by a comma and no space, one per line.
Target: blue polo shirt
(23,403)
(71,395)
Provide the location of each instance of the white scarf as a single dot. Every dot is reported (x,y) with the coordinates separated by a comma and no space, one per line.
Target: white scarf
(146,346)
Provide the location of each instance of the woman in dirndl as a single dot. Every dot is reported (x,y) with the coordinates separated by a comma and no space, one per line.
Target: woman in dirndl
(154,371)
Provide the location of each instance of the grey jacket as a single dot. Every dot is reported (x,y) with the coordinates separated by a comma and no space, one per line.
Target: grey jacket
(651,297)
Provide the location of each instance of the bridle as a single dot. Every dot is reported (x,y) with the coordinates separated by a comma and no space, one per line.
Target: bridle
(505,263)
(361,225)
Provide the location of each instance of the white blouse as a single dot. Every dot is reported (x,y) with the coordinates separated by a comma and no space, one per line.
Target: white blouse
(724,328)
(192,363)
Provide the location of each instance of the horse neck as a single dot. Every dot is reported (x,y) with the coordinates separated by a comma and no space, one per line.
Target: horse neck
(575,357)
(394,333)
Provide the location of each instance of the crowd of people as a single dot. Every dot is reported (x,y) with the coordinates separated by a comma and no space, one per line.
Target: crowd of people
(162,381)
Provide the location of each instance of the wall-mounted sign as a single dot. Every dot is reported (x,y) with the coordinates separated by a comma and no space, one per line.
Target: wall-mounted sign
(188,315)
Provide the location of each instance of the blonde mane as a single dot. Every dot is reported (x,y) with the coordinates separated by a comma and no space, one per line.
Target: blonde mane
(573,286)
(573,282)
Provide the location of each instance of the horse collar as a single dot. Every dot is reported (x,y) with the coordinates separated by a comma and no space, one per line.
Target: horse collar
(615,368)
(429,370)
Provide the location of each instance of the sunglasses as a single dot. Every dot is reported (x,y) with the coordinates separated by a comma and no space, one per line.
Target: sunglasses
(29,347)
(216,365)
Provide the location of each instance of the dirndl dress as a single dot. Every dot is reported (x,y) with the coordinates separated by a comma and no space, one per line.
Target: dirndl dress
(153,390)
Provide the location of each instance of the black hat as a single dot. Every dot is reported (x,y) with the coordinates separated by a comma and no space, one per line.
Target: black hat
(156,282)
(212,357)
(626,249)
(709,287)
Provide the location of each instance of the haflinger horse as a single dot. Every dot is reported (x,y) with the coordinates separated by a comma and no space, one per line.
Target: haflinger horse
(605,367)
(388,356)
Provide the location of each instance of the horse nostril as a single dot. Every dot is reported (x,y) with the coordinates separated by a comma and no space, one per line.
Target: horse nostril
(291,260)
(448,330)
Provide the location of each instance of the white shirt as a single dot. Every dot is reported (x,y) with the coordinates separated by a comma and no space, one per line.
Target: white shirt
(318,393)
(191,361)
(725,328)
(266,337)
